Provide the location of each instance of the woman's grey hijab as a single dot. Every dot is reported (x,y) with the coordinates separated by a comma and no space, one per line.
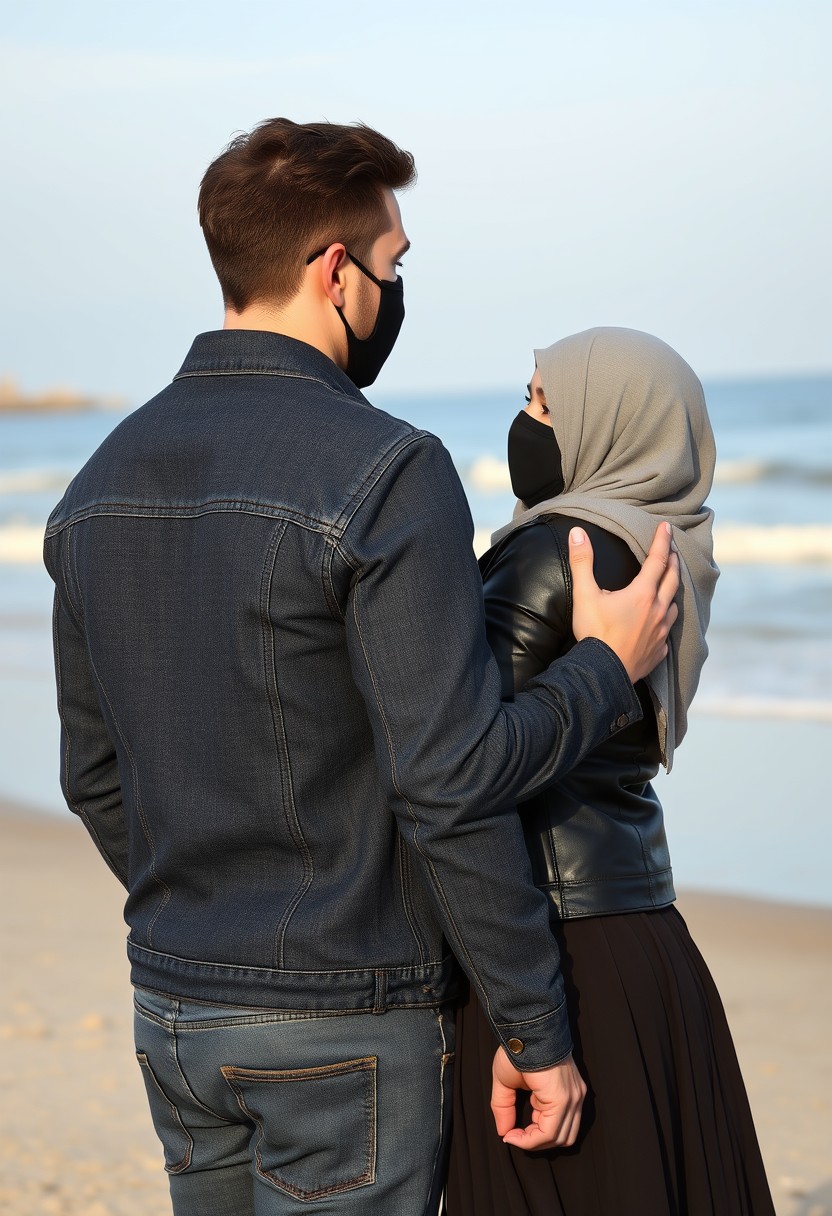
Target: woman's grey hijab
(637,447)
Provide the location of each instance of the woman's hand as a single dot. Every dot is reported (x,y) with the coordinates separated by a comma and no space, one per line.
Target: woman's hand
(557,1097)
(633,622)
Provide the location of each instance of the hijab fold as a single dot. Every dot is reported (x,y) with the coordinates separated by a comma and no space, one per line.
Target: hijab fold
(637,448)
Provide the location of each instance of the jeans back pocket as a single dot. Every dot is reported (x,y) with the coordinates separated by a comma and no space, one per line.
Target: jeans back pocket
(316,1127)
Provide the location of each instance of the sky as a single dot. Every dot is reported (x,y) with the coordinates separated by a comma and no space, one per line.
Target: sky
(664,166)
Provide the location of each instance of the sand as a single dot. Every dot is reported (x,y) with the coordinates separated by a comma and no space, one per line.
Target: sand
(76,1138)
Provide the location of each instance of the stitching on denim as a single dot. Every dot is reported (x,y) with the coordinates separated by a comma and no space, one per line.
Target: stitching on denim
(281,745)
(368,1064)
(182,1165)
(404,878)
(444,1061)
(211,506)
(255,1016)
(250,371)
(327,556)
(334,389)
(66,572)
(391,753)
(406,969)
(278,1019)
(186,1084)
(416,824)
(544,1017)
(331,529)
(373,477)
(139,809)
(343,1067)
(150,1016)
(205,1026)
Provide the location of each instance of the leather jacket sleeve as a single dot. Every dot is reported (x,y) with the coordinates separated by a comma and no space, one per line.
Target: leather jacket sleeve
(595,836)
(527,584)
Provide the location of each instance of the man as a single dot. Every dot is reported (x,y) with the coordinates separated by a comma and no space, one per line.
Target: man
(282,723)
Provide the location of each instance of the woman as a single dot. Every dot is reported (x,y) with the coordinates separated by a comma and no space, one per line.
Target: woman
(615,436)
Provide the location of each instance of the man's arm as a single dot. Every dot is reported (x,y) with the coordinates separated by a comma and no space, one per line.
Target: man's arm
(89,767)
(453,758)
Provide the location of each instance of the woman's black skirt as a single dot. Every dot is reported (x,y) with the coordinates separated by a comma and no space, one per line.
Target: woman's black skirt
(666,1127)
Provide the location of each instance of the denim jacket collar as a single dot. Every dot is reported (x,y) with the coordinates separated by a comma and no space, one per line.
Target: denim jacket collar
(262,352)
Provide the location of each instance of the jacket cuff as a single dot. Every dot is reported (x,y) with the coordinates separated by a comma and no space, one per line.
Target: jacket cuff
(622,693)
(541,1043)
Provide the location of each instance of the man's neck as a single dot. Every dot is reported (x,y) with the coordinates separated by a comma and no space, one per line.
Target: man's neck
(292,322)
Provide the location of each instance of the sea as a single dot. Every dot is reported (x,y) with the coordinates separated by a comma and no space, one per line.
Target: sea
(765,700)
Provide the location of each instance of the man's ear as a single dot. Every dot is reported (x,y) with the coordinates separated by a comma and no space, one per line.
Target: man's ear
(330,265)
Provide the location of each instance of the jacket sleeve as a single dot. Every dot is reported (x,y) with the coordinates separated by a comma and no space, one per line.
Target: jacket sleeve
(453,758)
(89,767)
(527,592)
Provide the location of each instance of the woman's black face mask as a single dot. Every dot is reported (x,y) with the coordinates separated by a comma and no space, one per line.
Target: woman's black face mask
(533,460)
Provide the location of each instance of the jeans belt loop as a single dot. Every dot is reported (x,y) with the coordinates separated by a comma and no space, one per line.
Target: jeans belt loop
(380,998)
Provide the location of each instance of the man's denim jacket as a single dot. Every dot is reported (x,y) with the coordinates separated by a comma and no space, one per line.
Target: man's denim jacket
(281,720)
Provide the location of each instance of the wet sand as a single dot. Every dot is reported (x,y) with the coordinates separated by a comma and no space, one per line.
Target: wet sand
(75,1134)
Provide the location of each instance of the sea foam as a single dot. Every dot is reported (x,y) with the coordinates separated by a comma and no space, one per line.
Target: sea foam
(33,481)
(488,475)
(21,543)
(750,544)
(776,545)
(779,708)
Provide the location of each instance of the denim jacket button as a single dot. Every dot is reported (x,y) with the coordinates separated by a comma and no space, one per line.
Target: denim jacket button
(516,1046)
(621,721)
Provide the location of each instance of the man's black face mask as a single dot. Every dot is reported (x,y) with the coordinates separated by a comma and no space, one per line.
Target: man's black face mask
(533,460)
(367,356)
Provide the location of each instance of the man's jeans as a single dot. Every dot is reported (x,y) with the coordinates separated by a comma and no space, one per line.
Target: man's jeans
(264,1113)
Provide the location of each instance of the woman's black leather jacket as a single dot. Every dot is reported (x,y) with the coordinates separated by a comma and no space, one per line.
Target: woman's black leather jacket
(596,838)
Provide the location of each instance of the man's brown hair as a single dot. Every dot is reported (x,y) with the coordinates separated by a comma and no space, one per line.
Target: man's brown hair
(288,189)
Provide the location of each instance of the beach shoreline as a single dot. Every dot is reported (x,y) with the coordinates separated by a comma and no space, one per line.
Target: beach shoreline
(76,1136)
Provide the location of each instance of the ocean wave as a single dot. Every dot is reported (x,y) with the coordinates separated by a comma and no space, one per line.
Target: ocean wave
(33,481)
(488,475)
(746,472)
(21,543)
(775,545)
(739,472)
(751,545)
(764,707)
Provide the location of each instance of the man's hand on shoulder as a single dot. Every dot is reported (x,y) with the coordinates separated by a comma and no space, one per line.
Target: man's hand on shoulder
(636,621)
